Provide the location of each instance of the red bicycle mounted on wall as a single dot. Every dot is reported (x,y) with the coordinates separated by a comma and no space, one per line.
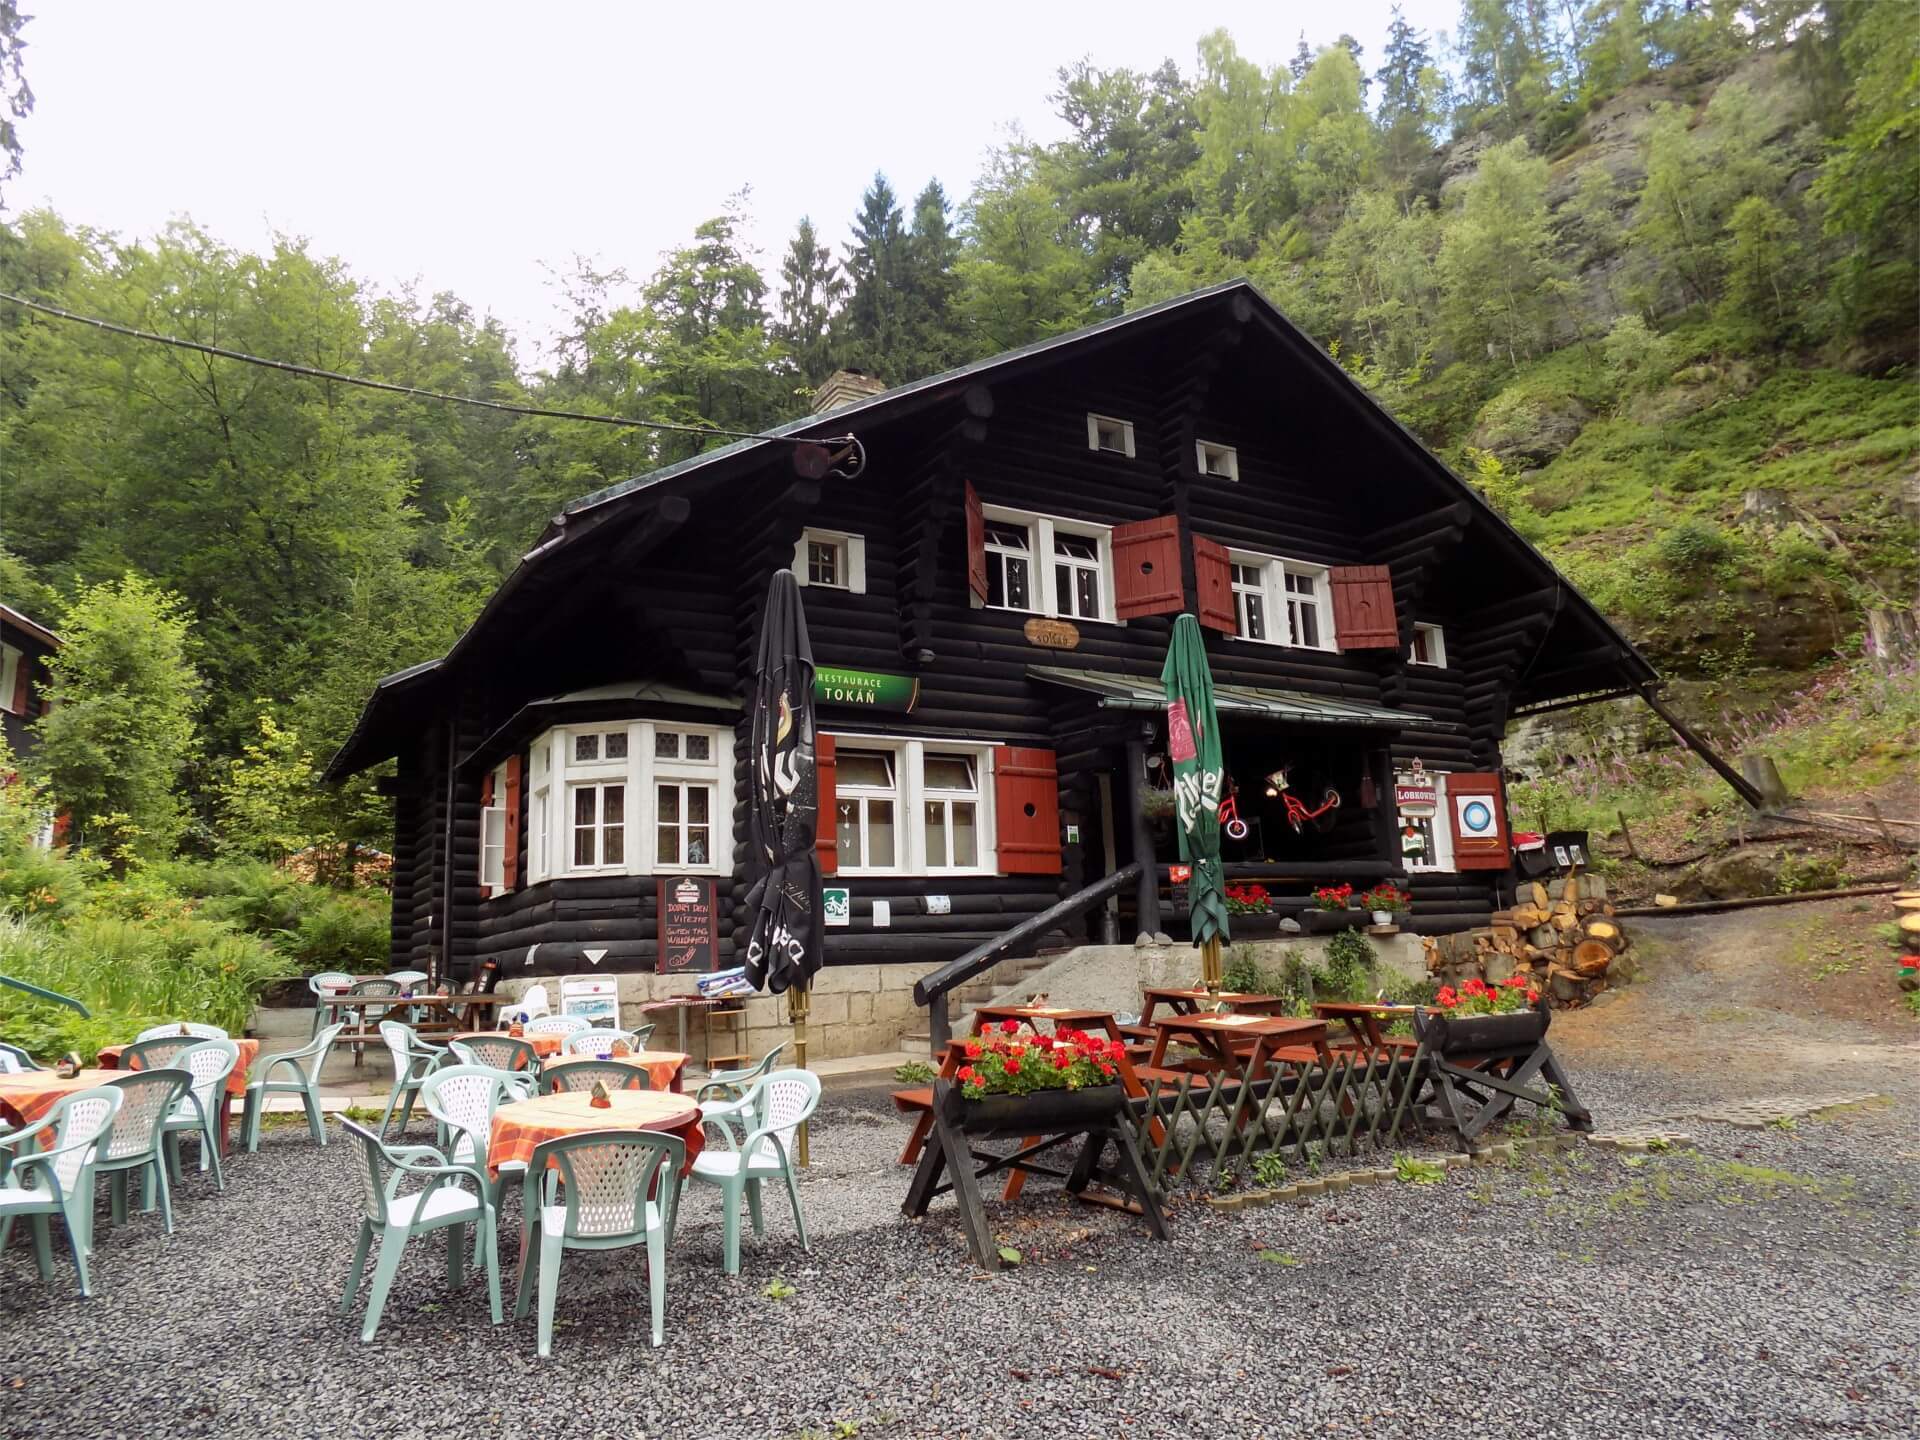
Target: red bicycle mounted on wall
(1300,815)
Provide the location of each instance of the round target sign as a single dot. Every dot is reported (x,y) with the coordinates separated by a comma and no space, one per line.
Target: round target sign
(1476,818)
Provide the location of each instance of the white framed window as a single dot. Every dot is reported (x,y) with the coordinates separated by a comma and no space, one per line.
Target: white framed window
(1429,646)
(597,826)
(867,803)
(1114,436)
(631,798)
(1249,601)
(493,835)
(1281,602)
(1077,580)
(950,809)
(912,807)
(1222,462)
(10,662)
(831,560)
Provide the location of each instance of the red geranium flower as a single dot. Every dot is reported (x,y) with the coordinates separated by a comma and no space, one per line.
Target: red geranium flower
(1533,996)
(1012,1027)
(1013,1066)
(1062,1060)
(1516,981)
(1105,1068)
(973,1049)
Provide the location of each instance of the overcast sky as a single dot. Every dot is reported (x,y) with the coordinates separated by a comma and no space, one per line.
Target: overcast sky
(471,145)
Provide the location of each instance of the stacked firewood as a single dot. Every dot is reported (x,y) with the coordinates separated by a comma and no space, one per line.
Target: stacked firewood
(1561,935)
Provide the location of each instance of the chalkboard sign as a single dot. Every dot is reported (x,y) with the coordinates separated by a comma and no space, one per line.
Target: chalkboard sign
(689,926)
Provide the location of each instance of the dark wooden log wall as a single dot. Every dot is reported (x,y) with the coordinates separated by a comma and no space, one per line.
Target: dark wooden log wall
(687,610)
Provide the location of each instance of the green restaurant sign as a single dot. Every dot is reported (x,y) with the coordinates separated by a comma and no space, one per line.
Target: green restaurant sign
(837,685)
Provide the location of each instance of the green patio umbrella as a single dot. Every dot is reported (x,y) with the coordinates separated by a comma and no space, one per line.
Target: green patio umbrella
(1199,785)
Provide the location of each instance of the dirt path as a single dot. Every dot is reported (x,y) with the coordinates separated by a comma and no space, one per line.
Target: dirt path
(1758,1001)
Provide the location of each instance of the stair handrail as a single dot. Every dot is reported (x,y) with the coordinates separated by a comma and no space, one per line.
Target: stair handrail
(932,990)
(46,994)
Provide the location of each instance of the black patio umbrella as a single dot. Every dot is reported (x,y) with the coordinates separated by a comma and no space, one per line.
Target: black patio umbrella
(784,947)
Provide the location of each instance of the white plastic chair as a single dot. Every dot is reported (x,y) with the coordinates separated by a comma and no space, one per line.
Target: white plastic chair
(327,985)
(193,1027)
(412,1063)
(404,978)
(463,1098)
(40,1184)
(531,1006)
(557,1025)
(209,1062)
(300,1076)
(599,1043)
(775,1107)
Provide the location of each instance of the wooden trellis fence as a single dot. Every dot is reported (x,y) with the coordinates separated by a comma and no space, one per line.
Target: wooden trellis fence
(1300,1114)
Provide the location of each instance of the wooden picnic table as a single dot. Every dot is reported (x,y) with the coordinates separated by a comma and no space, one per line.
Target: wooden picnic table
(1363,1024)
(1061,1017)
(1243,1046)
(1187,1000)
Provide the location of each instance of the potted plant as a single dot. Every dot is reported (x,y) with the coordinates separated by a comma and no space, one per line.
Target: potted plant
(1479,1018)
(1332,910)
(1026,1084)
(1385,902)
(1251,907)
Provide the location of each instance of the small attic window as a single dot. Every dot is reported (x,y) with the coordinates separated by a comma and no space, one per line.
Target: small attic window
(1111,435)
(1220,461)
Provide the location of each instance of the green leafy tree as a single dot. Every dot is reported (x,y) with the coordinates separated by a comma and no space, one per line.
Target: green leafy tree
(16,96)
(1505,68)
(1760,259)
(1497,266)
(812,289)
(1024,274)
(116,745)
(266,799)
(1409,96)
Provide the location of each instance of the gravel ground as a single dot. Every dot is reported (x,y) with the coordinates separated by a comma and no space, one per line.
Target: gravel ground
(1766,1285)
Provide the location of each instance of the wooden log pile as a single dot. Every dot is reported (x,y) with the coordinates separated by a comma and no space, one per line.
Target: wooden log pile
(1561,934)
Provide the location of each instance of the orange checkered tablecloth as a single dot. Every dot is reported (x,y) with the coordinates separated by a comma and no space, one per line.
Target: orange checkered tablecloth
(519,1127)
(543,1045)
(236,1082)
(663,1067)
(26,1099)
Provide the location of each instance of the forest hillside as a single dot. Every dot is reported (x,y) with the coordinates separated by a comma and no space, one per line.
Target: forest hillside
(1643,270)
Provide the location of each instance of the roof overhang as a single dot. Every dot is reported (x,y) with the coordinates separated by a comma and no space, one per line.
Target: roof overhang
(1113,691)
(32,628)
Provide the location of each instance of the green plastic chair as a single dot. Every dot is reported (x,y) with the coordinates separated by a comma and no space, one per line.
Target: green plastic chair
(412,1063)
(198,1111)
(463,1098)
(397,1218)
(135,1143)
(156,1054)
(497,1052)
(21,1060)
(561,1075)
(37,1184)
(326,986)
(773,1109)
(605,1177)
(723,1096)
(302,1079)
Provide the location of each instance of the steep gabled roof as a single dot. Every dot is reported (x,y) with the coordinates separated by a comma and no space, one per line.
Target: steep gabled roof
(32,627)
(396,705)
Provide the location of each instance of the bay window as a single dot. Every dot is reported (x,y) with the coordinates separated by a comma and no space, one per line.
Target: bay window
(1077,582)
(1281,602)
(633,797)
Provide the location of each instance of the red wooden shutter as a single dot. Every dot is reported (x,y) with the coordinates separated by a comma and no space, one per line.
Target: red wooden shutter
(1146,567)
(22,669)
(510,851)
(823,832)
(1477,811)
(1026,806)
(976,547)
(486,790)
(1363,617)
(1213,580)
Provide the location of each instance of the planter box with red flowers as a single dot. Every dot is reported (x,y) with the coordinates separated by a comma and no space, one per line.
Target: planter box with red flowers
(1480,1017)
(1012,1083)
(1251,906)
(1333,909)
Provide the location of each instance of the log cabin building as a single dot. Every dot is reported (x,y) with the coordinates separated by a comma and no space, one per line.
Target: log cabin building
(25,682)
(989,600)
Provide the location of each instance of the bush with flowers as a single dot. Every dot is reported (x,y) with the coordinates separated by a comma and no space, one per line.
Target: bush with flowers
(1248,900)
(1333,897)
(1386,899)
(1477,997)
(1007,1062)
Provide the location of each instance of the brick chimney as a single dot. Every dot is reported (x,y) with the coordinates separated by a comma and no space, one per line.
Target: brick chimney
(843,387)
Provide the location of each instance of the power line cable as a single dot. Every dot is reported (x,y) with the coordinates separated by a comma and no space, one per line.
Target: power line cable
(414,391)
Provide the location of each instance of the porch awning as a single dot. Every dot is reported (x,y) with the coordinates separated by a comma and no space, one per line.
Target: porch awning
(1128,692)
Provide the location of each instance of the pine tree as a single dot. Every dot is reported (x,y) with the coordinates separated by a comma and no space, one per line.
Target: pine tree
(812,290)
(874,321)
(932,340)
(1407,82)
